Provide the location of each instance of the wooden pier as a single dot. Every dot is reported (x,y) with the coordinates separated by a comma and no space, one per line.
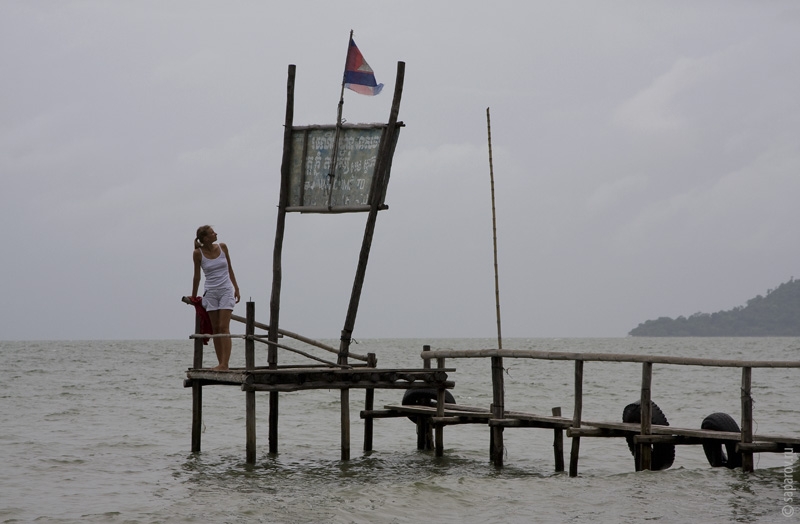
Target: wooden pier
(432,420)
(645,434)
(276,379)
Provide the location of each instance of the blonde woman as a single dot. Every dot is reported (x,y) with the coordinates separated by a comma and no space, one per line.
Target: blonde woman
(221,290)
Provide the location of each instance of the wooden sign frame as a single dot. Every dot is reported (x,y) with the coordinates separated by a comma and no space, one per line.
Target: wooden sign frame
(376,195)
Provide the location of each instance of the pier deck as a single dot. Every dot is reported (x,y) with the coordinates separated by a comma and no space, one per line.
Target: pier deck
(297,378)
(644,434)
(455,414)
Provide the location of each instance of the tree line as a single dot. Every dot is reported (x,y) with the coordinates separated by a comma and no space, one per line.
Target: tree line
(775,315)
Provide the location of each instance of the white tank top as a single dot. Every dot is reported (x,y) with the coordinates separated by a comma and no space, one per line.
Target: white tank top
(215,271)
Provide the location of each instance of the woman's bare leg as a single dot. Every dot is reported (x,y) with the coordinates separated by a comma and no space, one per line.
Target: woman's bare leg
(221,320)
(218,342)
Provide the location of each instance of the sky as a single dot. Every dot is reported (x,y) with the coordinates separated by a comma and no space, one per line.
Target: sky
(646,159)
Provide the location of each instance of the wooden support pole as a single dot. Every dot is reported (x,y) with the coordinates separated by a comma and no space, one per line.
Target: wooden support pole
(250,343)
(576,418)
(498,387)
(424,433)
(273,422)
(345,422)
(424,429)
(381,178)
(250,396)
(440,413)
(382,166)
(197,392)
(644,461)
(498,411)
(277,272)
(558,443)
(369,404)
(747,419)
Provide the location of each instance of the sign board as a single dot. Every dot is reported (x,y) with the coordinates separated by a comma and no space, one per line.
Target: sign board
(311,186)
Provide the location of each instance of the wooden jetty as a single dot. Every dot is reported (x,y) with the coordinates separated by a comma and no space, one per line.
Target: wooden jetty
(276,379)
(644,434)
(431,420)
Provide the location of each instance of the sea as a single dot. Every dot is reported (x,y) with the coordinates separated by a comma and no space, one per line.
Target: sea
(100,431)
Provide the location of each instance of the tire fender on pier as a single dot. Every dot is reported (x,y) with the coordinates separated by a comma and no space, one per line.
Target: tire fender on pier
(424,397)
(713,450)
(663,454)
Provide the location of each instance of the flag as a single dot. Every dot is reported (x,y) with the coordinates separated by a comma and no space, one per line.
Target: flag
(358,75)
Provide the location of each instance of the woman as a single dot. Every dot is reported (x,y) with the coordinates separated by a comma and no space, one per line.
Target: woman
(221,291)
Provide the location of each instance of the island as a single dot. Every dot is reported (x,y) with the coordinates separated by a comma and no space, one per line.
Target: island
(775,315)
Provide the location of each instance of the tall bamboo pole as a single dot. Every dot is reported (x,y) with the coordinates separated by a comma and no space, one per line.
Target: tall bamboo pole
(275,298)
(382,167)
(494,233)
(498,388)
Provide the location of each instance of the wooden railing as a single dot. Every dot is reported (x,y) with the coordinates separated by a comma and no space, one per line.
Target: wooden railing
(645,437)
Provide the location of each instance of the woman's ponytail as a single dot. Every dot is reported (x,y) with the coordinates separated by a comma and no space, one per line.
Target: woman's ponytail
(202,231)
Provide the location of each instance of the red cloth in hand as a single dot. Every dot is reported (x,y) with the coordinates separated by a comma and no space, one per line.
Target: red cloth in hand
(202,314)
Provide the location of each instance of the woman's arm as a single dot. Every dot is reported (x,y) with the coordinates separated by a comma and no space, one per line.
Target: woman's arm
(230,272)
(196,279)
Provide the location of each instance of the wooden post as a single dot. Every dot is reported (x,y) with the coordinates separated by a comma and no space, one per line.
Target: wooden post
(440,413)
(250,343)
(424,433)
(197,392)
(382,165)
(576,418)
(250,396)
(369,404)
(644,461)
(277,273)
(747,419)
(345,423)
(424,430)
(558,443)
(498,410)
(498,388)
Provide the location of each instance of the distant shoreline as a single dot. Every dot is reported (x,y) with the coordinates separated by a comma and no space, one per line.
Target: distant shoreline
(775,315)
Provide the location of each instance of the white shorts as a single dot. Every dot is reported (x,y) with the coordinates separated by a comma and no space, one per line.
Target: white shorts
(215,299)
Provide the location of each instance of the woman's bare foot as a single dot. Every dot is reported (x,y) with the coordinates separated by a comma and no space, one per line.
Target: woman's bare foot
(219,368)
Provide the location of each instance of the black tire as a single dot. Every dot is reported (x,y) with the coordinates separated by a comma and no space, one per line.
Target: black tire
(663,454)
(424,397)
(713,450)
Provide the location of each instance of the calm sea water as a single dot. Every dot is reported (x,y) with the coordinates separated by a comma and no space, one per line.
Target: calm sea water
(99,431)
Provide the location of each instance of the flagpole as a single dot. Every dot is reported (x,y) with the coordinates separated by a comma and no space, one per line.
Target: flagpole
(344,71)
(335,154)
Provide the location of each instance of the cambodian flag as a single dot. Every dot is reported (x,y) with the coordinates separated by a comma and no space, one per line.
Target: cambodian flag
(358,75)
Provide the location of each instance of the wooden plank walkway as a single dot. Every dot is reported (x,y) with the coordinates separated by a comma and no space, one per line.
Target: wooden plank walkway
(455,414)
(645,433)
(298,378)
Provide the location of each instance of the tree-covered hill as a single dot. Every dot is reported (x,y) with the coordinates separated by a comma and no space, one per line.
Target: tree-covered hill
(775,315)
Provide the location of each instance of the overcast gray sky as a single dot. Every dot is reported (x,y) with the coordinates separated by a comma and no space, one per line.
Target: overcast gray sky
(646,160)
